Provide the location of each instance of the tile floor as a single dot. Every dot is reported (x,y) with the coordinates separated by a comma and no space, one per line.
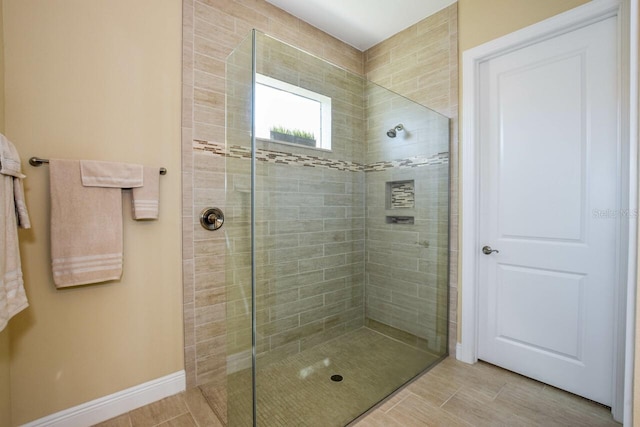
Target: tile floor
(456,394)
(298,389)
(451,394)
(187,409)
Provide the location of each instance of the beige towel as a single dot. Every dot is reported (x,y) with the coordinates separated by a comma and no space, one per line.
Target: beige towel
(110,174)
(86,228)
(145,199)
(14,213)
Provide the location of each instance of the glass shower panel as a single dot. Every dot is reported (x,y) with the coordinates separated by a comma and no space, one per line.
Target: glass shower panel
(237,231)
(337,258)
(310,234)
(407,175)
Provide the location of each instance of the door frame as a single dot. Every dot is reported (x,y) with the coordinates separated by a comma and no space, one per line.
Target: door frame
(626,12)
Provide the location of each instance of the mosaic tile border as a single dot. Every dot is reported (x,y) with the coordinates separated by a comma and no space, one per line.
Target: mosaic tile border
(411,162)
(272,156)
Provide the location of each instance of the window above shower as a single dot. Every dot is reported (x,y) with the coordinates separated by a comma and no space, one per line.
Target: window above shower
(289,114)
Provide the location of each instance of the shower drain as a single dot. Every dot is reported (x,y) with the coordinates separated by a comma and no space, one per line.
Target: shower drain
(336,378)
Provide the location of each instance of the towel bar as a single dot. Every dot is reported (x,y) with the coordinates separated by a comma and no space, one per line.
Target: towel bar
(36,161)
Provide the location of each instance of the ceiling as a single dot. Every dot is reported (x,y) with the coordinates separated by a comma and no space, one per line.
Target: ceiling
(362,23)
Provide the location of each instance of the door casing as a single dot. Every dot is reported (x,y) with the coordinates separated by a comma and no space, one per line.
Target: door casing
(626,12)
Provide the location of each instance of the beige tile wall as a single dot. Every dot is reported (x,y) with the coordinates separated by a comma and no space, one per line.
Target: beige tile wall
(421,63)
(212,29)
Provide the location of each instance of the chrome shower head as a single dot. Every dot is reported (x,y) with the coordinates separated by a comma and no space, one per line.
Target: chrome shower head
(391,133)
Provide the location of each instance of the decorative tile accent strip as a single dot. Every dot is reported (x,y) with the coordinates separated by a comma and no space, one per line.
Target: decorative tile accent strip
(411,162)
(239,152)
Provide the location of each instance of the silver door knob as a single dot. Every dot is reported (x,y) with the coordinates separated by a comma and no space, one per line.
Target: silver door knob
(488,251)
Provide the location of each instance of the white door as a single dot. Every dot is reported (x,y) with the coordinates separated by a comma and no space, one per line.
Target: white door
(549,197)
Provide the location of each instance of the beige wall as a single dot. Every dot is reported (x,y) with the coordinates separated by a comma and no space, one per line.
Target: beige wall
(96,80)
(1,68)
(484,20)
(5,383)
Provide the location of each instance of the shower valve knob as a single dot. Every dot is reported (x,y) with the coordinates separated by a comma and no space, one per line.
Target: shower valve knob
(211,218)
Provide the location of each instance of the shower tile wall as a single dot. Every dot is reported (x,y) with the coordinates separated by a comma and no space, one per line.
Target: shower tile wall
(212,29)
(310,259)
(406,263)
(421,63)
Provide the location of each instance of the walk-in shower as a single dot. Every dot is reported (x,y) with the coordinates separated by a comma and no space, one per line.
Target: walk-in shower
(336,236)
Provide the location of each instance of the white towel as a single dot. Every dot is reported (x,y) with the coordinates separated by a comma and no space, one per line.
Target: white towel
(13,298)
(86,228)
(20,204)
(110,174)
(145,199)
(9,159)
(10,166)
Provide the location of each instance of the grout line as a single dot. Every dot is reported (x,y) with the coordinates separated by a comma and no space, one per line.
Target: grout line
(211,406)
(499,391)
(450,397)
(191,413)
(401,342)
(455,415)
(398,402)
(171,419)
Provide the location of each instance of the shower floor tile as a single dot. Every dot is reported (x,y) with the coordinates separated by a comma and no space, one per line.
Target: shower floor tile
(299,390)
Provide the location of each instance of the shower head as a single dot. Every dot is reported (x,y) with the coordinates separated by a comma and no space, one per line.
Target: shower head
(391,133)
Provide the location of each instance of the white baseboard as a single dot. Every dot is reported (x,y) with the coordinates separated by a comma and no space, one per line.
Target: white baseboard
(460,353)
(115,404)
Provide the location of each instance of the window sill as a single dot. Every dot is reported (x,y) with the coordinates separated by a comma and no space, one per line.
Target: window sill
(290,144)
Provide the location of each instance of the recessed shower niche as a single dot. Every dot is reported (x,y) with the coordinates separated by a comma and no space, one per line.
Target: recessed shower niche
(400,195)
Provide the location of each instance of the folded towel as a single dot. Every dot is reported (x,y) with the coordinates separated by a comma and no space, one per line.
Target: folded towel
(9,159)
(13,214)
(145,199)
(21,206)
(10,166)
(12,295)
(110,174)
(86,228)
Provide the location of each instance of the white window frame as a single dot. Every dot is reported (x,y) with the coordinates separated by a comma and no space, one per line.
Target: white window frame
(324,142)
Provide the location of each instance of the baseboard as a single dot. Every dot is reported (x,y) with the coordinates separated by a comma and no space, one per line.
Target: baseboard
(238,361)
(115,404)
(459,353)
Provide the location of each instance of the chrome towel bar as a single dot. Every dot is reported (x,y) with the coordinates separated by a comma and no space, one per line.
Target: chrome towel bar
(36,161)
